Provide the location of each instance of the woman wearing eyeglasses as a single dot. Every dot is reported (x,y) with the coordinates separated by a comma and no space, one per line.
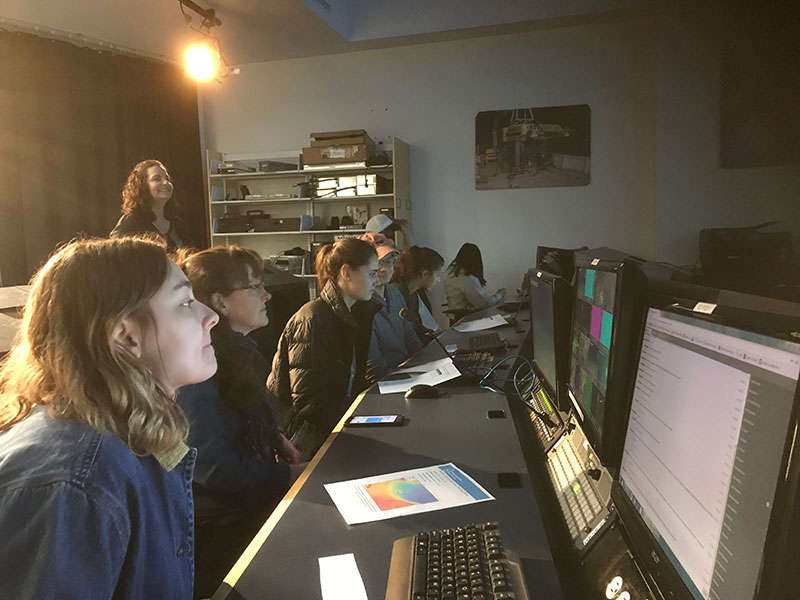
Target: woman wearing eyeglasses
(244,463)
(393,337)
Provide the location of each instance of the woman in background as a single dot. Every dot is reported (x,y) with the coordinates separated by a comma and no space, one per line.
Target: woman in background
(393,337)
(94,471)
(244,463)
(418,270)
(147,205)
(322,353)
(465,285)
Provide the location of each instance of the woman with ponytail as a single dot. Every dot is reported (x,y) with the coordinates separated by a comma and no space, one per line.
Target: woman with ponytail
(244,463)
(320,362)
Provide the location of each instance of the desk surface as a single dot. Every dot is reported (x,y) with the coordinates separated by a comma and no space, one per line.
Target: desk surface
(13,296)
(281,562)
(12,299)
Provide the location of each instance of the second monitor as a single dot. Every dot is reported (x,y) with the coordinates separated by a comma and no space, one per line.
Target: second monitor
(551,310)
(606,321)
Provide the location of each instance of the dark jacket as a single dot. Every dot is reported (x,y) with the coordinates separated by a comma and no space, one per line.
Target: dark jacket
(140,220)
(312,367)
(81,516)
(224,469)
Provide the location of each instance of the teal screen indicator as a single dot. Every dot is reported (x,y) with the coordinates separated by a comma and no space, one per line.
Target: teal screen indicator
(588,286)
(605,329)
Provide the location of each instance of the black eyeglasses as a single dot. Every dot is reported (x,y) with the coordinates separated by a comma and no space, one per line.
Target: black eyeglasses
(253,287)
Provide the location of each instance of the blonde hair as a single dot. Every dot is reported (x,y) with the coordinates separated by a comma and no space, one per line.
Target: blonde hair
(66,357)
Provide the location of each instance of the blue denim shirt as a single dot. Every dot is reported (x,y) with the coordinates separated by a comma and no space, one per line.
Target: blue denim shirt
(81,516)
(393,338)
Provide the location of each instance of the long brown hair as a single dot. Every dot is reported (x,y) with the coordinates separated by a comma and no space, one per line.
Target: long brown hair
(415,260)
(346,251)
(66,357)
(469,262)
(135,193)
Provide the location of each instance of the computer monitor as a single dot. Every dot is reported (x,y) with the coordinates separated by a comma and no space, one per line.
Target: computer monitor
(559,261)
(606,318)
(707,491)
(551,312)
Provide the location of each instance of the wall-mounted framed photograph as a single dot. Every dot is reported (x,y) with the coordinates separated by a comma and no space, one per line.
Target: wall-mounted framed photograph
(546,146)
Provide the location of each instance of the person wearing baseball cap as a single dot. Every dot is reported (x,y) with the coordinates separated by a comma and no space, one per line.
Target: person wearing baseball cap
(386,225)
(393,338)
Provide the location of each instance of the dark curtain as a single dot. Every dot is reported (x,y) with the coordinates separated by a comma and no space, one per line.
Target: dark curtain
(73,122)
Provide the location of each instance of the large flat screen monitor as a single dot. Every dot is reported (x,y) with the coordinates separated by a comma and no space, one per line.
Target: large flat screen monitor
(551,311)
(606,318)
(707,483)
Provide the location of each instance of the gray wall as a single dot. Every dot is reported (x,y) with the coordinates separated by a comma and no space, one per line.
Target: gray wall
(652,85)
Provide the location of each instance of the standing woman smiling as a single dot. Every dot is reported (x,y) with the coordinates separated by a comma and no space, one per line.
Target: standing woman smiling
(95,475)
(148,206)
(322,353)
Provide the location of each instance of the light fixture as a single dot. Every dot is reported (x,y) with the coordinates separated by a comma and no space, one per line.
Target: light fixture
(203,60)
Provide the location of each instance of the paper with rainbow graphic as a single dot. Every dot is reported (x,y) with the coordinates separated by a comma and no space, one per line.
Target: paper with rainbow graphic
(406,492)
(397,493)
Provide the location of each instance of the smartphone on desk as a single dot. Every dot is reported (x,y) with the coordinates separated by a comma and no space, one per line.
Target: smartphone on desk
(374,420)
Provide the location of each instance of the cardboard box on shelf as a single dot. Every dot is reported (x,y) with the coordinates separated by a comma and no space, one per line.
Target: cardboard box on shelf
(338,138)
(337,154)
(373,184)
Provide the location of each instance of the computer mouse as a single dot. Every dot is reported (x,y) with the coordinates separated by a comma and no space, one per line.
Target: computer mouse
(422,390)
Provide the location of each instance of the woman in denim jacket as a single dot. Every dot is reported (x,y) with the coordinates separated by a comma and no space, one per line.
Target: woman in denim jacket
(95,477)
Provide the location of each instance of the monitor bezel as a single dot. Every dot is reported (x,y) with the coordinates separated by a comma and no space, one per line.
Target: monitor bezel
(780,563)
(629,297)
(562,297)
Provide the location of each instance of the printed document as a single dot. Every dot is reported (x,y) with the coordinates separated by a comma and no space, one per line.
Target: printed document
(405,493)
(430,373)
(481,324)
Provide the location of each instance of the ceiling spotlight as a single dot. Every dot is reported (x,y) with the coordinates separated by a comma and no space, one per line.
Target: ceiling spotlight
(201,62)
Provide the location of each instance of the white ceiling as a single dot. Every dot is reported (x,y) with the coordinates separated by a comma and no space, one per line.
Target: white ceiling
(263,30)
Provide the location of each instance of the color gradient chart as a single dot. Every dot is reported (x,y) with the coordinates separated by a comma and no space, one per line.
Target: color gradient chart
(399,493)
(404,493)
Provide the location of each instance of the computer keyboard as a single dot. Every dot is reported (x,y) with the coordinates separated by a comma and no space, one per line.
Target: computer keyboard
(472,363)
(468,562)
(577,496)
(487,342)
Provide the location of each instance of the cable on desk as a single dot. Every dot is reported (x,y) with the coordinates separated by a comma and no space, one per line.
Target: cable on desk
(531,384)
(487,383)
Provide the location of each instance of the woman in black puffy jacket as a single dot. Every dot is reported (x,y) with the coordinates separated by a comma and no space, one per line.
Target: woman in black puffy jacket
(321,358)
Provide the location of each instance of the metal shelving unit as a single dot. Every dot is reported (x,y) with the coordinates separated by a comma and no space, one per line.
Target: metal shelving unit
(225,197)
